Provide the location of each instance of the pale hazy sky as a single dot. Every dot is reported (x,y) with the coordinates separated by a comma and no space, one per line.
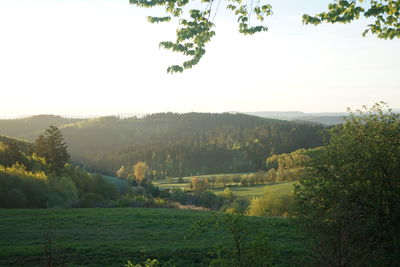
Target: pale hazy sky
(99,57)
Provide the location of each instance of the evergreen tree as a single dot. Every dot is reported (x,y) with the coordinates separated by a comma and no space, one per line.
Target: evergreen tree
(52,147)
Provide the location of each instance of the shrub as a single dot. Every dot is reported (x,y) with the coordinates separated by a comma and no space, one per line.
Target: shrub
(273,204)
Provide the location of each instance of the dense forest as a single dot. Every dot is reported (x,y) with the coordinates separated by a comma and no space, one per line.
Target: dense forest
(181,144)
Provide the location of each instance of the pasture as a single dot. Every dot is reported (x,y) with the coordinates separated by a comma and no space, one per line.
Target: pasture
(240,191)
(258,190)
(111,236)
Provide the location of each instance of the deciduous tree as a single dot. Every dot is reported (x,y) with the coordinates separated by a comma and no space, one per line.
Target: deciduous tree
(121,173)
(349,203)
(139,170)
(196,20)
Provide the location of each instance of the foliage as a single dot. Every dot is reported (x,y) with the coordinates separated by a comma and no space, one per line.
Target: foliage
(10,153)
(273,204)
(199,184)
(63,192)
(178,195)
(210,200)
(20,188)
(196,26)
(228,194)
(349,204)
(196,21)
(289,167)
(139,170)
(386,14)
(122,173)
(52,147)
(29,183)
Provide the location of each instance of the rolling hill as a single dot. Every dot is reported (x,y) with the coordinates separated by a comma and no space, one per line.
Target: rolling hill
(173,144)
(326,118)
(24,146)
(30,127)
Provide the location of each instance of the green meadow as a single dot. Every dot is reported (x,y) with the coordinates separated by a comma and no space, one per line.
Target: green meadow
(166,183)
(112,236)
(259,190)
(240,191)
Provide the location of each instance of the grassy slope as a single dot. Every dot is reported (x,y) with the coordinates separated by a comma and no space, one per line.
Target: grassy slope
(109,237)
(280,188)
(259,190)
(249,191)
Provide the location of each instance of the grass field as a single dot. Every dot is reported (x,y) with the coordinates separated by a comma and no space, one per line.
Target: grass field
(110,237)
(259,190)
(165,183)
(279,188)
(249,191)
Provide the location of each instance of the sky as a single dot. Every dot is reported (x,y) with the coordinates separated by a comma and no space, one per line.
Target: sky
(101,57)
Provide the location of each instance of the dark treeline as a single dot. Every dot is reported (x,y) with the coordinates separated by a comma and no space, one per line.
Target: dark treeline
(186,144)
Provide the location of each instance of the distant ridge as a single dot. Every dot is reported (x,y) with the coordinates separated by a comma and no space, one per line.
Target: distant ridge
(19,127)
(326,118)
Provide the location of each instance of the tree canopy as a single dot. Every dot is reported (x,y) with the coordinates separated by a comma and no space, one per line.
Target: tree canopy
(349,204)
(30,181)
(196,20)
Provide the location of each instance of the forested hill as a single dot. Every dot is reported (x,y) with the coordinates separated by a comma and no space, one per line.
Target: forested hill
(30,127)
(185,144)
(180,144)
(24,146)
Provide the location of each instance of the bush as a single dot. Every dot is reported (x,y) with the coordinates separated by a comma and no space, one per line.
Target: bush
(210,200)
(272,204)
(178,195)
